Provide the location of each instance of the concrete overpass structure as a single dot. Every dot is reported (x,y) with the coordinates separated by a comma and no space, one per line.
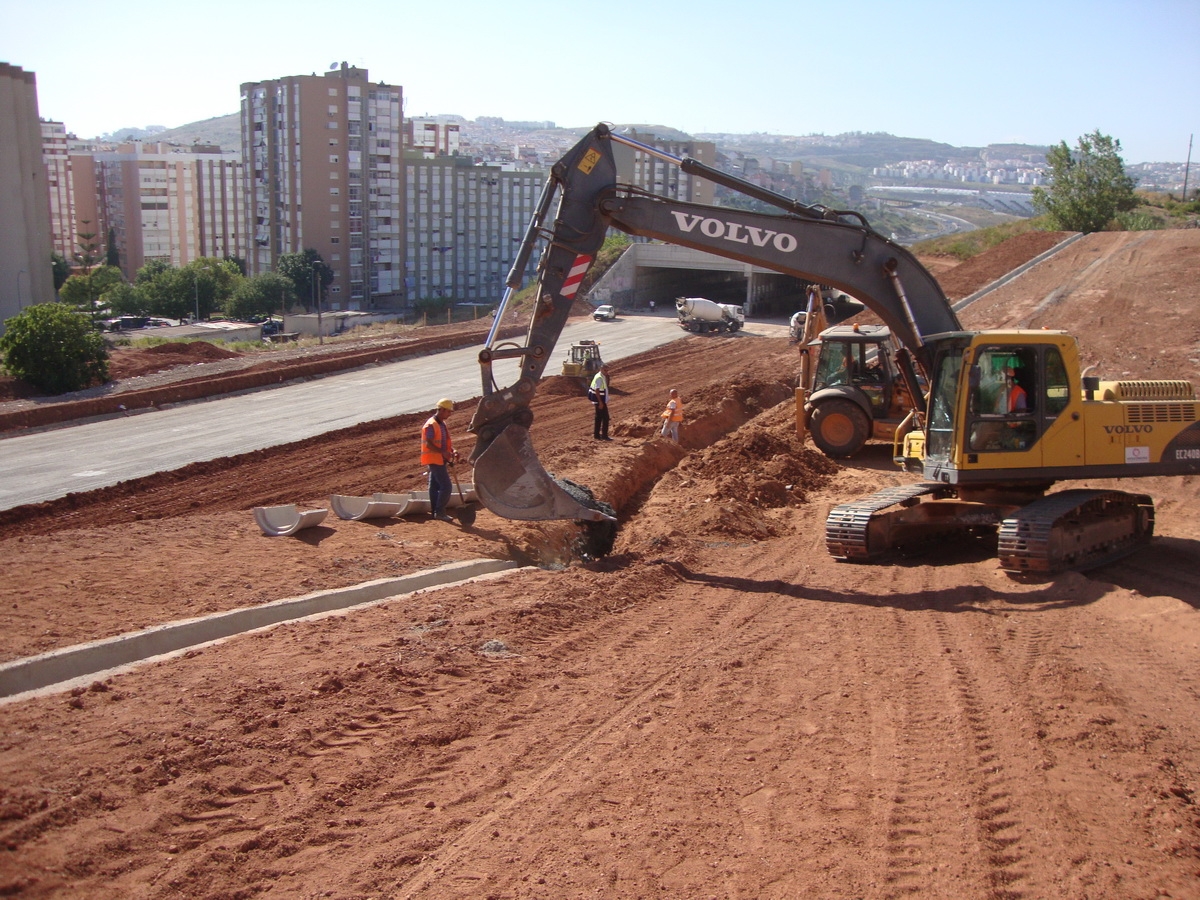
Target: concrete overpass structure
(658,273)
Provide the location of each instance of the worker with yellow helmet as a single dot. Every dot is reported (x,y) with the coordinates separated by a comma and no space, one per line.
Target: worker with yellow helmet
(437,452)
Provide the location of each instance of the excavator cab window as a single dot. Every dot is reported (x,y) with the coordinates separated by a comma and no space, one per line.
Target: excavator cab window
(1058,387)
(1003,399)
(940,444)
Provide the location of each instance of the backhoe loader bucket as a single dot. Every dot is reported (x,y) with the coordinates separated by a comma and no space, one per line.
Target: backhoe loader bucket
(511,482)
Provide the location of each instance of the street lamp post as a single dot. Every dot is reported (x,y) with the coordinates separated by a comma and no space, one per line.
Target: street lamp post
(317,299)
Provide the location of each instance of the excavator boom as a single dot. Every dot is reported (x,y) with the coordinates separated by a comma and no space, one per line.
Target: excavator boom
(988,462)
(813,243)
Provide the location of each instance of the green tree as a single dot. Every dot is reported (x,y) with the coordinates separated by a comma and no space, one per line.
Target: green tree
(151,270)
(85,292)
(299,269)
(213,282)
(261,295)
(53,348)
(88,254)
(128,300)
(1088,187)
(170,292)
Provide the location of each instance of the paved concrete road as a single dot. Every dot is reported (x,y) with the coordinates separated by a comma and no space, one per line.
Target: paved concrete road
(51,464)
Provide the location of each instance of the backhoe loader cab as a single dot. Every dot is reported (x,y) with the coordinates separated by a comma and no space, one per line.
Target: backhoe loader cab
(856,392)
(583,361)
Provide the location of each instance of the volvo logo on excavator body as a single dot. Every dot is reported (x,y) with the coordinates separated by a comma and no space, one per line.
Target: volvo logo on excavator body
(734,231)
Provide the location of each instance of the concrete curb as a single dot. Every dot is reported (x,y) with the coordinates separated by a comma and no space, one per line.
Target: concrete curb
(1018,271)
(83,660)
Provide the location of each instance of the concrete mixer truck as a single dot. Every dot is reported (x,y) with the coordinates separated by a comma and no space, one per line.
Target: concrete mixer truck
(702,316)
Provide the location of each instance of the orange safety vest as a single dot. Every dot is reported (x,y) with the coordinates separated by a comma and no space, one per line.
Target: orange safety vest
(674,414)
(436,447)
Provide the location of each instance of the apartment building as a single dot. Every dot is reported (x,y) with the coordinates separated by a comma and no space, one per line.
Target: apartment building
(160,201)
(25,274)
(433,135)
(88,215)
(323,169)
(61,186)
(465,223)
(665,178)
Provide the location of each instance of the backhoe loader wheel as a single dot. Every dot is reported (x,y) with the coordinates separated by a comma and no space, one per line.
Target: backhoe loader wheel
(839,428)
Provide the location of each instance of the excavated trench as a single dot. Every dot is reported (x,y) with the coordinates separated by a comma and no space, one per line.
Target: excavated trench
(764,467)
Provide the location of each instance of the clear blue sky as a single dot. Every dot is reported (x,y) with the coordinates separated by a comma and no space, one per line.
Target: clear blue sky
(966,74)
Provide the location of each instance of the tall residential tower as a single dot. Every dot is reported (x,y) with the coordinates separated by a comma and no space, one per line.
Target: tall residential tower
(323,162)
(25,246)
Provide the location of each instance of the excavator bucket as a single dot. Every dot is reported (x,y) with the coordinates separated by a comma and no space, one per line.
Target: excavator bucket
(512,483)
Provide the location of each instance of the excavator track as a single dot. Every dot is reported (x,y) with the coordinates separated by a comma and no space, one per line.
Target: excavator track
(1075,529)
(847,527)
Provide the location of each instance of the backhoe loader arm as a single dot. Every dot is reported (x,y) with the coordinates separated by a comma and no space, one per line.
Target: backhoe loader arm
(809,242)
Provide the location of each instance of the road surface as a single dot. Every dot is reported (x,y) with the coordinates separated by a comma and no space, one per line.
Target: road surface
(51,464)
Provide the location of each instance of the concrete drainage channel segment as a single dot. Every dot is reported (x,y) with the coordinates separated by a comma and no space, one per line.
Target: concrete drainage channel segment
(47,670)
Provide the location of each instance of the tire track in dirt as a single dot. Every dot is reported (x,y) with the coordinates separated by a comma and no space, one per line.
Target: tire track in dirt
(608,641)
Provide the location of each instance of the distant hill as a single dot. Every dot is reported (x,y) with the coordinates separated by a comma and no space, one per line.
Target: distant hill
(856,151)
(224,131)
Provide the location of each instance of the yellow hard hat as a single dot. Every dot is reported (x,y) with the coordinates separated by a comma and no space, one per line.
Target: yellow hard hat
(445,403)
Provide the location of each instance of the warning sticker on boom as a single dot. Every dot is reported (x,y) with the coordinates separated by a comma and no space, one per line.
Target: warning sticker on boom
(589,161)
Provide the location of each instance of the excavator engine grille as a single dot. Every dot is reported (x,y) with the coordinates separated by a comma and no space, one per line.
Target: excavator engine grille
(1160,412)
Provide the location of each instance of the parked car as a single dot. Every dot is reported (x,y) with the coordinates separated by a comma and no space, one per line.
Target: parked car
(604,312)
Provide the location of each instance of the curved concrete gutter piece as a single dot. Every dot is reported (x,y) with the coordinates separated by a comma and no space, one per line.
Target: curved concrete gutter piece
(282,521)
(86,660)
(1018,271)
(379,506)
(358,508)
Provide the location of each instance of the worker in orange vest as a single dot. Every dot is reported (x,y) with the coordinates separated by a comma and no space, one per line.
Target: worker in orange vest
(437,452)
(1015,398)
(672,416)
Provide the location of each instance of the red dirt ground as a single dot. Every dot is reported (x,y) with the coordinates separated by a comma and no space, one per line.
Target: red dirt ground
(716,709)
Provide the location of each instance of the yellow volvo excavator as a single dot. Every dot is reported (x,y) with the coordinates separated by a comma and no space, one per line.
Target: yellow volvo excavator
(999,416)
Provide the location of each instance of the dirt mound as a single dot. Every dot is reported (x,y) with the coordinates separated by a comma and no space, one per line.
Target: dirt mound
(967,277)
(562,386)
(124,362)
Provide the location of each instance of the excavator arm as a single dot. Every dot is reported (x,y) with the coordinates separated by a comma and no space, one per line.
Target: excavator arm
(830,247)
